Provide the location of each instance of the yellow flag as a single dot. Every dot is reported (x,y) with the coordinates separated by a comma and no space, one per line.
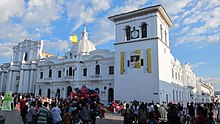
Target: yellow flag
(74,39)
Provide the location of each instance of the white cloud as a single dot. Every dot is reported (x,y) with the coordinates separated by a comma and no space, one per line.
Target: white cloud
(100,4)
(197,64)
(85,11)
(175,6)
(105,30)
(129,5)
(199,21)
(40,13)
(214,81)
(58,46)
(104,33)
(9,9)
(6,49)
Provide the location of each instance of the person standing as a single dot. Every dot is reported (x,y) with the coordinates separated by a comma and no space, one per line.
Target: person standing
(31,113)
(128,115)
(85,114)
(172,116)
(24,113)
(55,114)
(12,102)
(43,114)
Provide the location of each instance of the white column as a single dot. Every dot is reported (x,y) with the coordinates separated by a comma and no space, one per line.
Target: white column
(21,81)
(2,81)
(8,87)
(31,82)
(25,83)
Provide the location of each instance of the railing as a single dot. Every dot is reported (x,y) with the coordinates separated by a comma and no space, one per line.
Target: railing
(96,77)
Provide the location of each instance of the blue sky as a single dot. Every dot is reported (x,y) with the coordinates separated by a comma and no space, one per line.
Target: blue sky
(194,39)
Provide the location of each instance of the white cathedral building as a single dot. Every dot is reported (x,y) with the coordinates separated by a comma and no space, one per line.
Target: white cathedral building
(141,67)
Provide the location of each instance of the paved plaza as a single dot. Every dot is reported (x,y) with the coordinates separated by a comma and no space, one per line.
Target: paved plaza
(13,117)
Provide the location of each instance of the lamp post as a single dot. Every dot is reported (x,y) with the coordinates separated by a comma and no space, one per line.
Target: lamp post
(86,67)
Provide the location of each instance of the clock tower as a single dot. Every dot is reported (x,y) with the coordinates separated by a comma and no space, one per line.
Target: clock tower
(142,55)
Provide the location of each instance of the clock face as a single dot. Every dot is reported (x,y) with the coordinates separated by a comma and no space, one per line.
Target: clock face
(134,34)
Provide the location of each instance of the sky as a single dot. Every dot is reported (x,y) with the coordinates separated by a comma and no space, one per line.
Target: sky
(194,39)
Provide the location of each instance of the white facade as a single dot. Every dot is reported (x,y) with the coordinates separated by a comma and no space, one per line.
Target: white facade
(141,68)
(156,75)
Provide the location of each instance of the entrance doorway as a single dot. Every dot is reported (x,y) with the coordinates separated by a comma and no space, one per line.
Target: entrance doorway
(48,93)
(58,94)
(110,94)
(40,92)
(166,98)
(69,90)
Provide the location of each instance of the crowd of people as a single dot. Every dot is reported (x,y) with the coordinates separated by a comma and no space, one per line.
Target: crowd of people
(81,106)
(171,113)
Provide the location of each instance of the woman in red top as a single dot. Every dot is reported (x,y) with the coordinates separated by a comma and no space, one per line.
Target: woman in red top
(201,118)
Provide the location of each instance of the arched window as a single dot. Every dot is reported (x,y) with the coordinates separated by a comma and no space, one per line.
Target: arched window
(165,37)
(70,71)
(128,32)
(144,30)
(50,73)
(71,56)
(25,56)
(41,75)
(97,69)
(161,32)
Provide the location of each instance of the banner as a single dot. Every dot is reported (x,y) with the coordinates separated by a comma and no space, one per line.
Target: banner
(122,66)
(6,105)
(135,59)
(149,63)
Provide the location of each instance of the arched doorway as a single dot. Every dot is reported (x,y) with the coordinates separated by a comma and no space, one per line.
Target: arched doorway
(69,90)
(110,94)
(58,94)
(40,92)
(97,90)
(48,93)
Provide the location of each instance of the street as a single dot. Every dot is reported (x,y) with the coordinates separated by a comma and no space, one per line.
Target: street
(13,117)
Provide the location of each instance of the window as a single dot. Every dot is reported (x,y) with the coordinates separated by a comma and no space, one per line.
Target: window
(172,73)
(66,72)
(128,32)
(70,71)
(59,74)
(165,37)
(71,56)
(111,70)
(25,56)
(144,30)
(85,72)
(161,32)
(41,75)
(73,72)
(17,77)
(176,76)
(50,73)
(97,69)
